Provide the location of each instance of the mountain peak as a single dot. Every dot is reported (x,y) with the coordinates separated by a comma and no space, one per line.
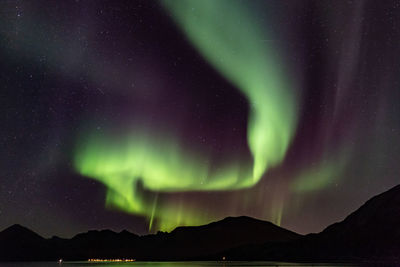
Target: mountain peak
(19,232)
(244,219)
(237,218)
(17,228)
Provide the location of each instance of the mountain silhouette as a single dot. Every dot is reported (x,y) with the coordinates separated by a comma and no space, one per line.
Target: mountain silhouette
(370,233)
(16,239)
(187,243)
(194,242)
(20,233)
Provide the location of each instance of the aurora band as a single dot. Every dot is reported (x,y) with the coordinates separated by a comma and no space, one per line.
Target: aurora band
(226,34)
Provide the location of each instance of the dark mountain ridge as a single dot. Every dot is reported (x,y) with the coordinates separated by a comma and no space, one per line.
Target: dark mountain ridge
(182,243)
(370,233)
(202,241)
(16,239)
(373,230)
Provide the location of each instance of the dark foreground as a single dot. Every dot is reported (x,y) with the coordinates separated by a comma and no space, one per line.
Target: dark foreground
(370,234)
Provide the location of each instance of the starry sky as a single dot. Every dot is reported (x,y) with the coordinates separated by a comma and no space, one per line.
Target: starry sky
(147,115)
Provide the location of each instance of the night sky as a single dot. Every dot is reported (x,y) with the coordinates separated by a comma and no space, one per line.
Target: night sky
(147,115)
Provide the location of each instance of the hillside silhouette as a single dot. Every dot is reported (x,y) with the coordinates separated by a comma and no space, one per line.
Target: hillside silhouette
(371,232)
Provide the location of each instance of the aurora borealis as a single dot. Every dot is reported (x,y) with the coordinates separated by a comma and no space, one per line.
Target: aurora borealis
(160,163)
(148,115)
(233,46)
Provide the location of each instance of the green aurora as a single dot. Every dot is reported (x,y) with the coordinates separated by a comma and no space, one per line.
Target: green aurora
(160,163)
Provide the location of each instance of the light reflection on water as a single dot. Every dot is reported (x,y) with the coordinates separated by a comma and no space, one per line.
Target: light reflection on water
(165,264)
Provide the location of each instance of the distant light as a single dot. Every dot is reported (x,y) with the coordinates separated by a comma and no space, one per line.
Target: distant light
(111,260)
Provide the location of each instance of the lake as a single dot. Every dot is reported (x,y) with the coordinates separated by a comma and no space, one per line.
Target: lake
(164,264)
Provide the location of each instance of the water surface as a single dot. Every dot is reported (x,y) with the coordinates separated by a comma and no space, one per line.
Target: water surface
(165,264)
